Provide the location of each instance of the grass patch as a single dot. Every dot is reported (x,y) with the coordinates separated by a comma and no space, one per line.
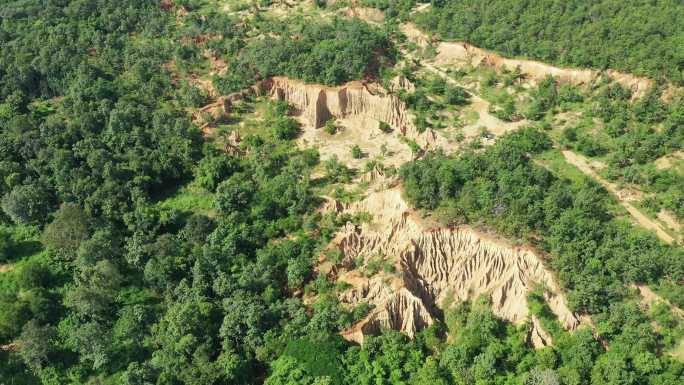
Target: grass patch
(678,351)
(17,242)
(470,116)
(555,162)
(190,199)
(247,118)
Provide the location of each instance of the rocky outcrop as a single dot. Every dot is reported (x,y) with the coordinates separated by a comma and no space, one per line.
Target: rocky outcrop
(9,347)
(366,116)
(367,14)
(220,108)
(401,310)
(434,267)
(400,82)
(537,336)
(318,103)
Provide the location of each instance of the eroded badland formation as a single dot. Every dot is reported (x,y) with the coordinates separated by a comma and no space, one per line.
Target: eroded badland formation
(431,268)
(336,192)
(426,268)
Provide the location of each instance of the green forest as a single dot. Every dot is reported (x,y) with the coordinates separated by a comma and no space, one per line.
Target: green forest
(505,189)
(136,250)
(641,37)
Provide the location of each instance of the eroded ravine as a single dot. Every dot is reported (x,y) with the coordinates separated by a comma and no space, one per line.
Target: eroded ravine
(359,109)
(460,54)
(433,267)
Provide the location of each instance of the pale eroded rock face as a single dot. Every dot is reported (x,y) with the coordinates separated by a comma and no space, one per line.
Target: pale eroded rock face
(318,103)
(400,82)
(435,266)
(369,15)
(361,111)
(220,108)
(464,53)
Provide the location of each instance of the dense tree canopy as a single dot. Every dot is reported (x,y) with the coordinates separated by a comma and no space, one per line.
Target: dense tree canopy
(642,37)
(502,187)
(88,117)
(324,53)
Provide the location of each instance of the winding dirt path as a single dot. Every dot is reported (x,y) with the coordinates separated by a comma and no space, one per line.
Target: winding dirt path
(583,164)
(493,124)
(482,106)
(485,119)
(649,298)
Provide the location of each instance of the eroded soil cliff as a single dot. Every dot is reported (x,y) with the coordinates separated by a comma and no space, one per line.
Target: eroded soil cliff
(427,268)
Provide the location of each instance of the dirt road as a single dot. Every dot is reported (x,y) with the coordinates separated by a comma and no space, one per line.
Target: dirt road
(649,298)
(485,119)
(583,164)
(577,160)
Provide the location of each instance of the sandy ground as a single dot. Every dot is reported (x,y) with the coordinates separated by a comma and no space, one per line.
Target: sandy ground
(415,35)
(649,298)
(493,124)
(669,219)
(670,160)
(499,127)
(459,53)
(584,165)
(361,131)
(369,15)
